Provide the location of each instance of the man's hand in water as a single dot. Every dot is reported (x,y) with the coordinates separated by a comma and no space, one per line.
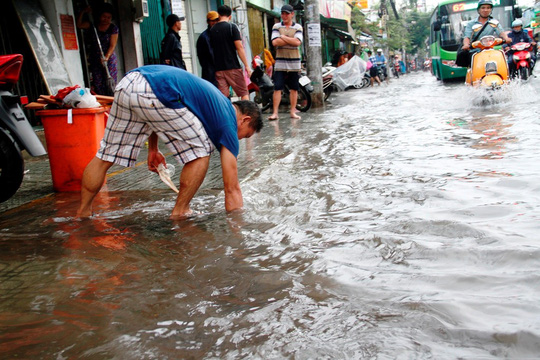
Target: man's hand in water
(154,159)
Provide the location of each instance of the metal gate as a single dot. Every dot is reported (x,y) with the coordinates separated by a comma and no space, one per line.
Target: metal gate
(153,29)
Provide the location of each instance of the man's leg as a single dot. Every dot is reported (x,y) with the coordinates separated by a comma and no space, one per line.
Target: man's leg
(191,178)
(222,83)
(293,97)
(276,99)
(92,181)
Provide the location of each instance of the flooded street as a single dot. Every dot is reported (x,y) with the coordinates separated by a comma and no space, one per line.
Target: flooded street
(401,223)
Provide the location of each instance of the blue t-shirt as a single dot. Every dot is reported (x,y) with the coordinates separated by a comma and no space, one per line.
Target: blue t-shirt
(474,26)
(380,59)
(177,88)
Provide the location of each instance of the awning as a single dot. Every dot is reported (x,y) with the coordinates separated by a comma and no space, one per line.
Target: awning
(344,34)
(261,9)
(340,24)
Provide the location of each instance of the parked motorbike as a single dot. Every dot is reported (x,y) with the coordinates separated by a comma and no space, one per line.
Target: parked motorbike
(488,67)
(328,80)
(263,88)
(16,133)
(522,60)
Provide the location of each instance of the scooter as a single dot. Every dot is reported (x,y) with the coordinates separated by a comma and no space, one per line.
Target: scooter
(263,88)
(522,60)
(16,133)
(328,80)
(488,69)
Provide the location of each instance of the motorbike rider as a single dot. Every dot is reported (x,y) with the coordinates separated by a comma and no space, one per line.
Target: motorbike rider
(518,35)
(381,63)
(484,9)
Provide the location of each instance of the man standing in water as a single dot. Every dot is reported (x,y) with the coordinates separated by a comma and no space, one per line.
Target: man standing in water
(186,112)
(287,36)
(226,42)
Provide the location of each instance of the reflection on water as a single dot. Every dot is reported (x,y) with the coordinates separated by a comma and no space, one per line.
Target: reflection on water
(401,223)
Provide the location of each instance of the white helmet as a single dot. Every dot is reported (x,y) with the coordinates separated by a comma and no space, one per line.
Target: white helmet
(517,22)
(379,50)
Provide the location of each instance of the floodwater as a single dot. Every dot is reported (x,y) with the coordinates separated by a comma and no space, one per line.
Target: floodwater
(401,223)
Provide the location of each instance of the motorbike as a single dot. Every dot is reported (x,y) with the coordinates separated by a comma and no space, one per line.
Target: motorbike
(328,80)
(488,69)
(263,88)
(396,69)
(16,133)
(380,73)
(521,58)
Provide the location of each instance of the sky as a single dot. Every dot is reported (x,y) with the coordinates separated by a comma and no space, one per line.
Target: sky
(431,3)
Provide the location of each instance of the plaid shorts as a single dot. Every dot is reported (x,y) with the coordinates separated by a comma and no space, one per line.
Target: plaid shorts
(136,113)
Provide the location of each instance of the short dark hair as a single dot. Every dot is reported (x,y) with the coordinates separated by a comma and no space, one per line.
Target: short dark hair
(224,10)
(253,110)
(106,8)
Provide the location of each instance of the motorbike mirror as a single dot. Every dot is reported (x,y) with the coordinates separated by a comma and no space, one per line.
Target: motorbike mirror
(498,41)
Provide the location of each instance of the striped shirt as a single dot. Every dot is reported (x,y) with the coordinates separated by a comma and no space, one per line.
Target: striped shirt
(287,57)
(373,60)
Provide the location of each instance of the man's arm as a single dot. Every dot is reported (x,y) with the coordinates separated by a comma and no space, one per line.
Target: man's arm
(229,168)
(167,46)
(467,36)
(155,157)
(242,54)
(286,40)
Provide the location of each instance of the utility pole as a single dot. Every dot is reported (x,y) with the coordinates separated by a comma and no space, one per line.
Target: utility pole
(312,41)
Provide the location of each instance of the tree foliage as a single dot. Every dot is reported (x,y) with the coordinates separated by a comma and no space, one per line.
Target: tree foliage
(409,32)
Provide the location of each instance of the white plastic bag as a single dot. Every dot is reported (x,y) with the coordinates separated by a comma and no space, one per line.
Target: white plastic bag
(349,74)
(82,99)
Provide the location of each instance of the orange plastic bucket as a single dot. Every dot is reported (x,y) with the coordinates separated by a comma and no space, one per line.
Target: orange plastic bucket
(71,143)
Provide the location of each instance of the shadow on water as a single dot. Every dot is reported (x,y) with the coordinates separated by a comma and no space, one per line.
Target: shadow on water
(398,226)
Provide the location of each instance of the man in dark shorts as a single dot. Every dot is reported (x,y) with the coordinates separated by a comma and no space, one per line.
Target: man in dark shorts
(226,42)
(193,119)
(287,36)
(373,70)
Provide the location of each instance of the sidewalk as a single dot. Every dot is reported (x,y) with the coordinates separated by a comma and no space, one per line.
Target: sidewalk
(37,182)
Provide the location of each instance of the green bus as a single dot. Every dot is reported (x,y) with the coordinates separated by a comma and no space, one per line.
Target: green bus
(448,22)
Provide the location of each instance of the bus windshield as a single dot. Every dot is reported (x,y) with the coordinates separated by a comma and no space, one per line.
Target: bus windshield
(454,19)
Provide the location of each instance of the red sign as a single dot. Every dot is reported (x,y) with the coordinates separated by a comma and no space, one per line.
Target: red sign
(68,32)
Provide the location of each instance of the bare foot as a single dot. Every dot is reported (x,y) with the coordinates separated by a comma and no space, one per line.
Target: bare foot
(294,116)
(181,215)
(273,117)
(83,213)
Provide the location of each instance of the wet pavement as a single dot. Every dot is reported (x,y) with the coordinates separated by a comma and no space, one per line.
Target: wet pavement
(400,223)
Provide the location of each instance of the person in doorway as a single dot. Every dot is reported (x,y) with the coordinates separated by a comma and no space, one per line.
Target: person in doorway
(171,47)
(190,115)
(287,36)
(226,42)
(204,49)
(373,71)
(518,35)
(107,37)
(476,29)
